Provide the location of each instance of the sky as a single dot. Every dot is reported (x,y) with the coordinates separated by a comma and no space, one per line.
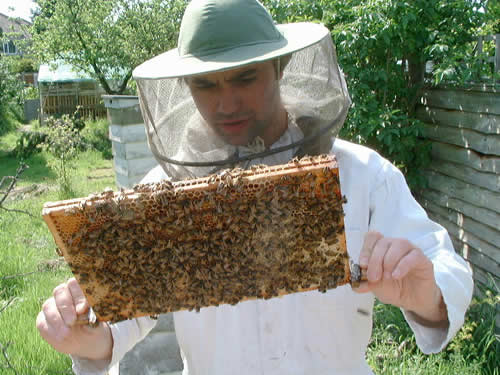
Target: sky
(21,8)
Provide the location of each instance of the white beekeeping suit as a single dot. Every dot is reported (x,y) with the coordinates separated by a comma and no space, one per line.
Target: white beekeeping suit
(301,333)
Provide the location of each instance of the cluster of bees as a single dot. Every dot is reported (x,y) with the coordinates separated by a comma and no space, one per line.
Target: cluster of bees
(239,235)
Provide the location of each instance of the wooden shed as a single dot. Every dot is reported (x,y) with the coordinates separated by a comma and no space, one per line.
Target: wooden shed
(63,88)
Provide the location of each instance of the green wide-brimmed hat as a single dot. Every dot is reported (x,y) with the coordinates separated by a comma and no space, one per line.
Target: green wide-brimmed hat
(218,35)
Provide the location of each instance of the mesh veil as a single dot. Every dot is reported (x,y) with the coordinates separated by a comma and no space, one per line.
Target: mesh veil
(312,89)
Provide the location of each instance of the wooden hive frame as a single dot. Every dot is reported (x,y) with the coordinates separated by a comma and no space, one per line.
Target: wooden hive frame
(239,235)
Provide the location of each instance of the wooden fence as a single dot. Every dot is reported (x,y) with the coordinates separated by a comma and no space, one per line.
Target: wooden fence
(464,177)
(63,98)
(495,59)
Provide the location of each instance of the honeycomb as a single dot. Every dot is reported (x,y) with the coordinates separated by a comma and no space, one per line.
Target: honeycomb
(238,235)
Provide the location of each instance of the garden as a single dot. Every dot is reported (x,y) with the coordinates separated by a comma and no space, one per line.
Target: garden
(382,47)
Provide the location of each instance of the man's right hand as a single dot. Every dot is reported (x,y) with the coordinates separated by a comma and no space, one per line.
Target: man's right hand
(56,323)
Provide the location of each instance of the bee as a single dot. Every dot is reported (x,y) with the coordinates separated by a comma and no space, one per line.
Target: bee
(59,251)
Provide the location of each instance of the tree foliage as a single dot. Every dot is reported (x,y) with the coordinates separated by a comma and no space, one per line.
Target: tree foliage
(492,13)
(383,47)
(107,38)
(10,87)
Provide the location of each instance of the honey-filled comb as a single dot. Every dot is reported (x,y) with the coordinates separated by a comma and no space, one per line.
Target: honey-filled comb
(242,234)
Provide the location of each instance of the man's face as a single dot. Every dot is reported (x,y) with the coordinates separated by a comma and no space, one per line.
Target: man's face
(239,104)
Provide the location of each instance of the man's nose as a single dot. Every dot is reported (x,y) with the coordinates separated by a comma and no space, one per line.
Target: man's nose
(229,101)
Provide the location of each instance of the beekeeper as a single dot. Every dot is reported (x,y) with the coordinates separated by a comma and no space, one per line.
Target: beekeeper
(240,90)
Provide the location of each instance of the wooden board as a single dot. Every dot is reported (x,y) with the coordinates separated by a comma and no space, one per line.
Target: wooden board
(476,257)
(486,233)
(486,279)
(467,237)
(490,181)
(479,214)
(485,123)
(463,100)
(464,137)
(467,192)
(467,157)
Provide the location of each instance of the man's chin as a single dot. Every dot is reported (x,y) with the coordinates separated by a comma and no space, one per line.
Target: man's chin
(237,142)
(235,139)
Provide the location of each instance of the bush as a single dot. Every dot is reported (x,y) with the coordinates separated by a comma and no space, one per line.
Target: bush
(31,92)
(84,135)
(287,11)
(24,65)
(60,137)
(10,87)
(64,142)
(383,46)
(64,138)
(29,143)
(95,135)
(366,38)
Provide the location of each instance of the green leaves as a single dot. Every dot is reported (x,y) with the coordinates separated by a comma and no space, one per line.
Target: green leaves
(63,141)
(10,87)
(294,11)
(108,38)
(383,46)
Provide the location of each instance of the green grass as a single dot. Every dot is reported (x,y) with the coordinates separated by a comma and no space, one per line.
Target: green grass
(474,350)
(26,246)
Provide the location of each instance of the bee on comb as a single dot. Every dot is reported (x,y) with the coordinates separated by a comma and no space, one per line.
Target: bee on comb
(243,234)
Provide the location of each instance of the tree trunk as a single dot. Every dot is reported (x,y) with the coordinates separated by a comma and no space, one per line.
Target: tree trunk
(416,72)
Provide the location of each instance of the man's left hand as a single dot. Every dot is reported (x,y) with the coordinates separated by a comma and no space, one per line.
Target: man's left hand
(400,274)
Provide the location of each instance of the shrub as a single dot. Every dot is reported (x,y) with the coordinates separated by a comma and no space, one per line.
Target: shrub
(286,11)
(95,135)
(368,51)
(29,143)
(383,46)
(31,92)
(63,141)
(24,64)
(9,92)
(83,135)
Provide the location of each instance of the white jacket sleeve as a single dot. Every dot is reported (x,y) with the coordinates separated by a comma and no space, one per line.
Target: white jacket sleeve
(395,213)
(125,334)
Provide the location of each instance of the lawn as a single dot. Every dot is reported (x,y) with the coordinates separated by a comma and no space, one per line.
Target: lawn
(29,265)
(30,269)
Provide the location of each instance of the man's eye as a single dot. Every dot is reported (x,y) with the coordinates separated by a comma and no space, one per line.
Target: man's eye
(204,85)
(247,79)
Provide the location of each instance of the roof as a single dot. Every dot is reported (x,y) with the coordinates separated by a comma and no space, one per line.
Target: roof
(51,73)
(17,25)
